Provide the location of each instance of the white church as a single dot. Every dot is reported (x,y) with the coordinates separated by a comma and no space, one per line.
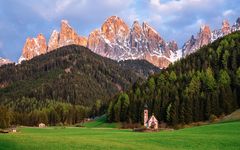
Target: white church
(151,123)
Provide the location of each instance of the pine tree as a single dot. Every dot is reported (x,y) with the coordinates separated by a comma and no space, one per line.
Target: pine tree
(4,117)
(225,59)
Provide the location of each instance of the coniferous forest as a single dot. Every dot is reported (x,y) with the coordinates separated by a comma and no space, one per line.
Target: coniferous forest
(64,86)
(69,84)
(200,86)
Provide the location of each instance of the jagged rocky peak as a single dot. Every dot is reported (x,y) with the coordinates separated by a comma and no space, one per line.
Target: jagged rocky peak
(33,47)
(69,36)
(172,45)
(136,40)
(151,33)
(4,61)
(204,36)
(156,44)
(94,39)
(53,41)
(114,28)
(226,27)
(189,45)
(236,25)
(41,40)
(137,30)
(111,40)
(97,43)
(36,46)
(238,21)
(117,41)
(66,36)
(205,29)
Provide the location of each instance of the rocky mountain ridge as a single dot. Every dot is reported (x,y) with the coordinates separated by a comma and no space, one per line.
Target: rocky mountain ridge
(206,36)
(116,40)
(37,46)
(4,61)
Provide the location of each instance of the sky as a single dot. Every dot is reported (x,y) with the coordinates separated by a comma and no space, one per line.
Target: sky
(173,19)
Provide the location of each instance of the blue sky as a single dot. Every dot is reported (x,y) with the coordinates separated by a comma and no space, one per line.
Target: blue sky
(173,19)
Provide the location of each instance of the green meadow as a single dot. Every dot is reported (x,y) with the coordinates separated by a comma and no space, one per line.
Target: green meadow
(215,136)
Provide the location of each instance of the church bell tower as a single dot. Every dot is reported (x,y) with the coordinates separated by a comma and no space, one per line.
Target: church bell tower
(145,115)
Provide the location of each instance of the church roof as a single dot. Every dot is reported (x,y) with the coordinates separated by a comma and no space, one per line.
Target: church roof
(153,118)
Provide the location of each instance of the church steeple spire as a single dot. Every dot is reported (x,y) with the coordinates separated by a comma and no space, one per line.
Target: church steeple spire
(145,121)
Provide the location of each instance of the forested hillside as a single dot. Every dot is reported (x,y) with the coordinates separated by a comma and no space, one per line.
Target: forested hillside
(202,85)
(66,81)
(141,67)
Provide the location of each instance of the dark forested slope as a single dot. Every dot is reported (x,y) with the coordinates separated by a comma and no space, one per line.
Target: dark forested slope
(71,74)
(64,86)
(204,84)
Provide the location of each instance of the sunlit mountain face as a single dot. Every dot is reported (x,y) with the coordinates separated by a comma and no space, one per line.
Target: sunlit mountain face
(174,20)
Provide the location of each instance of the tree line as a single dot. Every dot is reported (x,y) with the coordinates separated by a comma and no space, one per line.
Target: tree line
(31,112)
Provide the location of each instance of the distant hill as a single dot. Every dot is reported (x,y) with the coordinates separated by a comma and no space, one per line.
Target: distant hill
(71,74)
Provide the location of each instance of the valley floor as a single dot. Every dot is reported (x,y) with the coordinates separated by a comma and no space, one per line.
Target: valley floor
(216,136)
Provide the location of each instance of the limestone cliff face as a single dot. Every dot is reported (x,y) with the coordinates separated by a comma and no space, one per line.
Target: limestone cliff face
(236,25)
(155,43)
(34,47)
(117,41)
(203,38)
(206,36)
(226,27)
(53,42)
(37,46)
(68,36)
(172,46)
(115,30)
(161,62)
(111,40)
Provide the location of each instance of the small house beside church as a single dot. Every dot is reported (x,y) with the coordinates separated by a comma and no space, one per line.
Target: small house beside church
(41,125)
(151,123)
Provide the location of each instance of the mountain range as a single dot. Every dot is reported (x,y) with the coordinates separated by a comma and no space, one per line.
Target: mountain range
(116,40)
(206,36)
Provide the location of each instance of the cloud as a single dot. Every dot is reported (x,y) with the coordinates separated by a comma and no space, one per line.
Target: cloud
(228,13)
(187,16)
(55,9)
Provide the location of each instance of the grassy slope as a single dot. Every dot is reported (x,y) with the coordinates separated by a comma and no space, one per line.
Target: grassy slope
(235,116)
(217,136)
(101,122)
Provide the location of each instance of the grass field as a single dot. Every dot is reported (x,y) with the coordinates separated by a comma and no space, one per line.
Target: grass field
(101,122)
(216,136)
